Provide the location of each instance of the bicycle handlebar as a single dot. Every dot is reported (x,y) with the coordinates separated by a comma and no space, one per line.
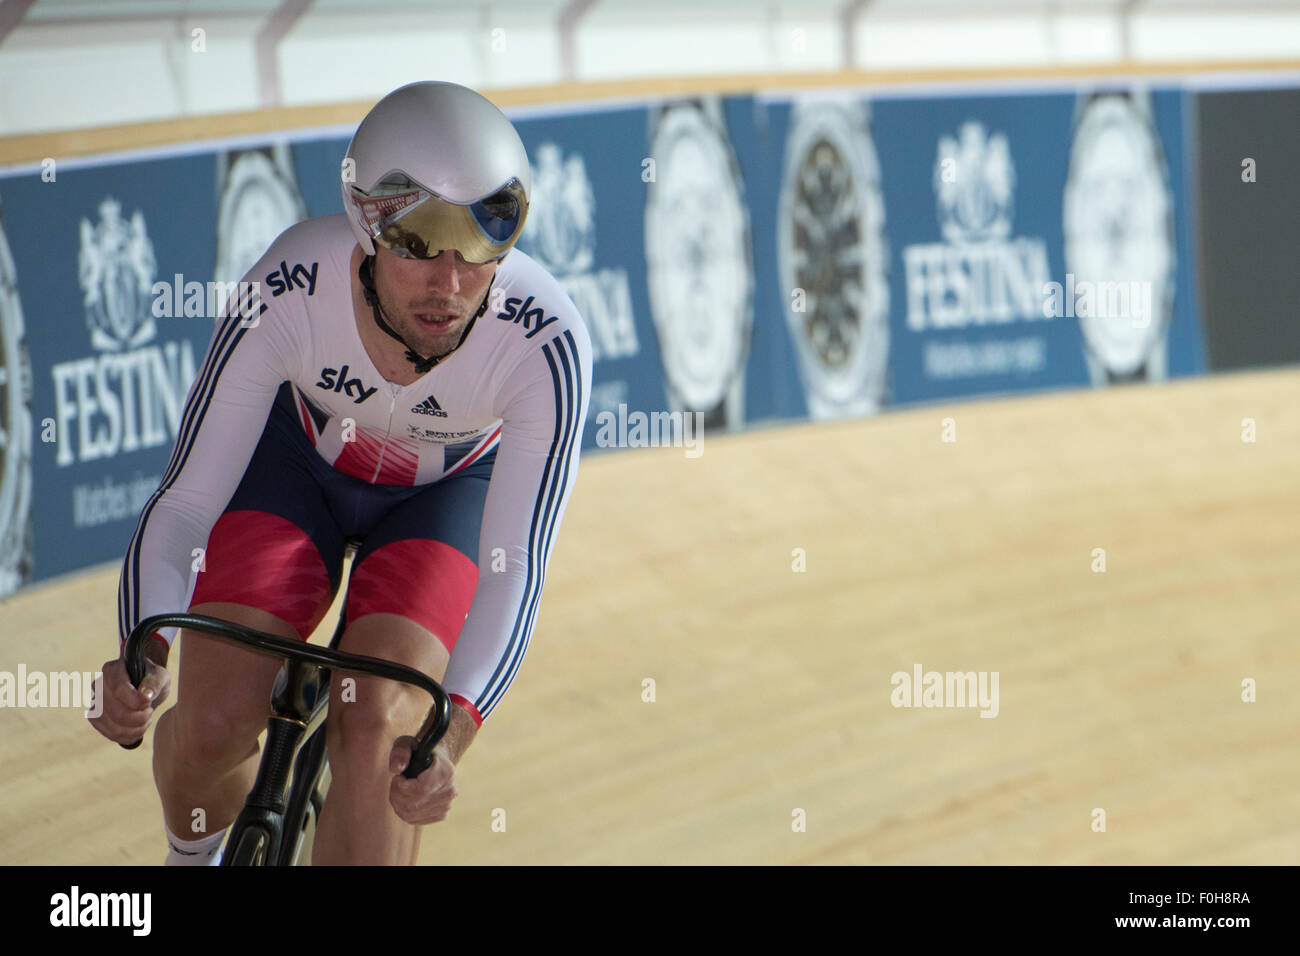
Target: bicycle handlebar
(435,724)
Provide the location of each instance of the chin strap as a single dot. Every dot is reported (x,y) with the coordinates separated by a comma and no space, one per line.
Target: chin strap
(422,364)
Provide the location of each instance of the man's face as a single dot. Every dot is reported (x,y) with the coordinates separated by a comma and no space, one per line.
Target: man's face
(429,301)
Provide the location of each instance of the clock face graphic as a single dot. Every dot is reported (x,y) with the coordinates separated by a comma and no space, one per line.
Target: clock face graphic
(15,432)
(258,202)
(832,253)
(1118,225)
(698,256)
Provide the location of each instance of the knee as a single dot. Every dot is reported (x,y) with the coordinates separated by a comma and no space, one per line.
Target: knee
(365,725)
(214,736)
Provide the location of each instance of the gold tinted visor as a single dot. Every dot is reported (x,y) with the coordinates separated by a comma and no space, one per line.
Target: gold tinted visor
(409,220)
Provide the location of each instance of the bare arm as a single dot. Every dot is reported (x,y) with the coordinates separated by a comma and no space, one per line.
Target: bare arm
(460,734)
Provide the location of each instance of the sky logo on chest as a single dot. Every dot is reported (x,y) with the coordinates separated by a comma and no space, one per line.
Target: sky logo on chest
(336,380)
(523,312)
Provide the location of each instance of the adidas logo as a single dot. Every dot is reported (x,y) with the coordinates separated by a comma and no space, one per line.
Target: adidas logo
(429,406)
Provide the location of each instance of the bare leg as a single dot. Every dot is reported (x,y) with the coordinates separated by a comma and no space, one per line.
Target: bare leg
(205,747)
(358,825)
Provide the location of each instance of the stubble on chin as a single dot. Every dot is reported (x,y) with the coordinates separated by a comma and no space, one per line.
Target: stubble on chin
(432,344)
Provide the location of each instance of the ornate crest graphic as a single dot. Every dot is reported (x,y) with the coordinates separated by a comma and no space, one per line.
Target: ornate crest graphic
(561,228)
(974,185)
(116,270)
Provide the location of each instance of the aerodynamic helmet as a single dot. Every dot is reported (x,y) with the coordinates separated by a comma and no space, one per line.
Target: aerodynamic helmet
(436,166)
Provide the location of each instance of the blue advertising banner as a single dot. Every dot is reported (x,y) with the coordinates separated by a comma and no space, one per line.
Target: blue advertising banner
(109,375)
(585,225)
(976,245)
(120,270)
(736,259)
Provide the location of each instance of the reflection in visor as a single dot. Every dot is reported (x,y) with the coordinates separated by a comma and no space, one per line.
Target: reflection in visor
(409,220)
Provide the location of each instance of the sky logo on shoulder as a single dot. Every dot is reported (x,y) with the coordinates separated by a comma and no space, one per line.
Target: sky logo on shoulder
(429,406)
(289,278)
(533,319)
(336,380)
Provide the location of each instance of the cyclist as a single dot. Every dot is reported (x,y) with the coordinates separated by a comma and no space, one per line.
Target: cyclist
(400,379)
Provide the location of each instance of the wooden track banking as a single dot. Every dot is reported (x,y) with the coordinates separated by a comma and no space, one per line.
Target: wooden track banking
(1118,690)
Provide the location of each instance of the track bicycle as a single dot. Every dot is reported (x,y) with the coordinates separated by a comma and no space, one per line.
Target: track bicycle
(277,823)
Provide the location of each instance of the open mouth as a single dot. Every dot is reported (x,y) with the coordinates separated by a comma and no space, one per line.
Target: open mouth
(435,320)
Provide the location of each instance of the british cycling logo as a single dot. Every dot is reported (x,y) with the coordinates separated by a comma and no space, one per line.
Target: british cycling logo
(535,319)
(75,908)
(130,394)
(336,380)
(433,436)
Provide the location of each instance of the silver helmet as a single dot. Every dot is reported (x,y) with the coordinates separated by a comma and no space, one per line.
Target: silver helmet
(436,166)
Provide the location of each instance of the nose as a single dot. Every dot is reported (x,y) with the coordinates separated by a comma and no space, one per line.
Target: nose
(444,272)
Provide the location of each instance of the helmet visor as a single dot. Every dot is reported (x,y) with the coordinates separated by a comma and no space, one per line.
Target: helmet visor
(415,223)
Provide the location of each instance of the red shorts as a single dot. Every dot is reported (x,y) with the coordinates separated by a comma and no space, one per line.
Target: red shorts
(280,543)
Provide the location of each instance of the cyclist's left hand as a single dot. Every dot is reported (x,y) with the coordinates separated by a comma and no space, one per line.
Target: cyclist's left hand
(427,798)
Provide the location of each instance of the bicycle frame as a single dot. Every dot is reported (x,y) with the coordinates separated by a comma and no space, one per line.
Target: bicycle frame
(308,767)
(298,707)
(294,737)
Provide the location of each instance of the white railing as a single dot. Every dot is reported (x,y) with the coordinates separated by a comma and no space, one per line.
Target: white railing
(68,64)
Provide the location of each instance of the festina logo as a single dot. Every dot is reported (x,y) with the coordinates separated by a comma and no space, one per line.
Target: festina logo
(429,406)
(120,401)
(336,380)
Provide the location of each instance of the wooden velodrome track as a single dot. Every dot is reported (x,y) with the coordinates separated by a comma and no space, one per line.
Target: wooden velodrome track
(1118,690)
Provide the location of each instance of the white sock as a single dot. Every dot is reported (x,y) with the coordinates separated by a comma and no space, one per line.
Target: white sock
(205,852)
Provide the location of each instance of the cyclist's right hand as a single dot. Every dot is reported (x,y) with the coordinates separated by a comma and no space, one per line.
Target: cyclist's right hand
(126,712)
